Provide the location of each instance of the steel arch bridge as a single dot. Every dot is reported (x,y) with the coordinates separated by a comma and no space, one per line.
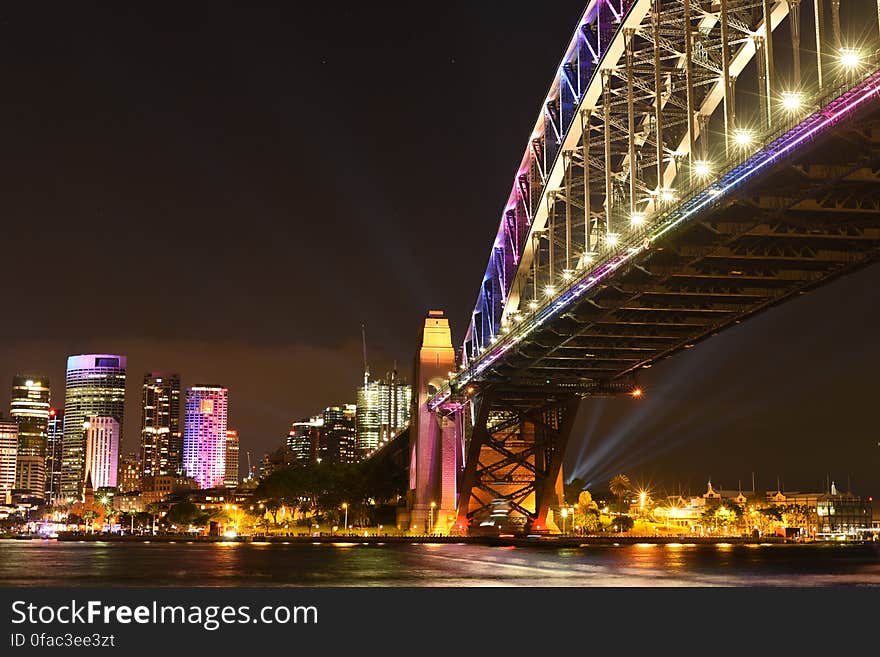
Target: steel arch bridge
(693,163)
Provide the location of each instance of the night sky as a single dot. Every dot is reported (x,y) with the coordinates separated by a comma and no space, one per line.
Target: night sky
(230,192)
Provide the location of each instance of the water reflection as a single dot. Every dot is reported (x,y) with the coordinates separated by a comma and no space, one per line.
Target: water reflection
(42,563)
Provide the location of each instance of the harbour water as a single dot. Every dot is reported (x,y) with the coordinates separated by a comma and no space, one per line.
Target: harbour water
(54,563)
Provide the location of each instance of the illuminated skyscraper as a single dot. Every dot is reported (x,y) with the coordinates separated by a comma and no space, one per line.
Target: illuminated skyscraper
(303,439)
(95,385)
(232,446)
(161,438)
(8,450)
(30,409)
(383,409)
(54,440)
(204,435)
(102,450)
(338,438)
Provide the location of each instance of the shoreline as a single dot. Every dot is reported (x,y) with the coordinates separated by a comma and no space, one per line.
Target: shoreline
(490,541)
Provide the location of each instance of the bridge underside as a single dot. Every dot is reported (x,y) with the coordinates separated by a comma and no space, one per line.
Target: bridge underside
(812,218)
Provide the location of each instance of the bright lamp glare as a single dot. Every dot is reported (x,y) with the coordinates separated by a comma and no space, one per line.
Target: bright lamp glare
(549,290)
(850,58)
(667,195)
(567,275)
(743,137)
(791,101)
(637,219)
(702,168)
(533,304)
(611,239)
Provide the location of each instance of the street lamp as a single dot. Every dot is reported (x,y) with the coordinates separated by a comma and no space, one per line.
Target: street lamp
(564,514)
(431,524)
(345,508)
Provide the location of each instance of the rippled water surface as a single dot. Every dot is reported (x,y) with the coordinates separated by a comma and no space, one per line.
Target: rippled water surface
(52,563)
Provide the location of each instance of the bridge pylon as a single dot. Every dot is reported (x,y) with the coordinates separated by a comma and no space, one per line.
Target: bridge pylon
(435,439)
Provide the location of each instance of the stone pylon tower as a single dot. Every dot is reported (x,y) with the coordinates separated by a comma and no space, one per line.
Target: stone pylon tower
(435,449)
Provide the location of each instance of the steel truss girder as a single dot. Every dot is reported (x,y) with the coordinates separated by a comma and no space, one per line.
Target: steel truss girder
(578,88)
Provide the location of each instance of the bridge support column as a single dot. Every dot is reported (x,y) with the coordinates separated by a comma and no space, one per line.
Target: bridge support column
(435,441)
(515,455)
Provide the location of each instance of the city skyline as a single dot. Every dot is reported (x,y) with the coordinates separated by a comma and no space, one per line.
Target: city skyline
(812,389)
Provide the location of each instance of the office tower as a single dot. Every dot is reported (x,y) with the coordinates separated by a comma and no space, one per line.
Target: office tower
(161,438)
(102,450)
(54,440)
(129,473)
(29,408)
(95,385)
(303,439)
(367,417)
(204,435)
(383,410)
(338,439)
(232,445)
(8,451)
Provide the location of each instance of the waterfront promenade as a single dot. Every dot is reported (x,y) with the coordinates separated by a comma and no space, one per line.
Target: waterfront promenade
(520,541)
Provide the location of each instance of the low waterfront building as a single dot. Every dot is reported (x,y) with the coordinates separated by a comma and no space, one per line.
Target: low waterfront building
(159,489)
(131,502)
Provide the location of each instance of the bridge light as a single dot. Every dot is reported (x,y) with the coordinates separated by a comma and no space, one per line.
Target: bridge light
(667,195)
(792,100)
(589,258)
(702,168)
(549,290)
(567,275)
(612,239)
(470,390)
(637,219)
(533,304)
(850,58)
(743,137)
(637,392)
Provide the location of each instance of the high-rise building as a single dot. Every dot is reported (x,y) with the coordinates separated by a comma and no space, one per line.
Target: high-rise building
(204,435)
(383,410)
(338,439)
(54,440)
(8,451)
(232,446)
(30,409)
(161,438)
(129,477)
(303,439)
(102,450)
(95,385)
